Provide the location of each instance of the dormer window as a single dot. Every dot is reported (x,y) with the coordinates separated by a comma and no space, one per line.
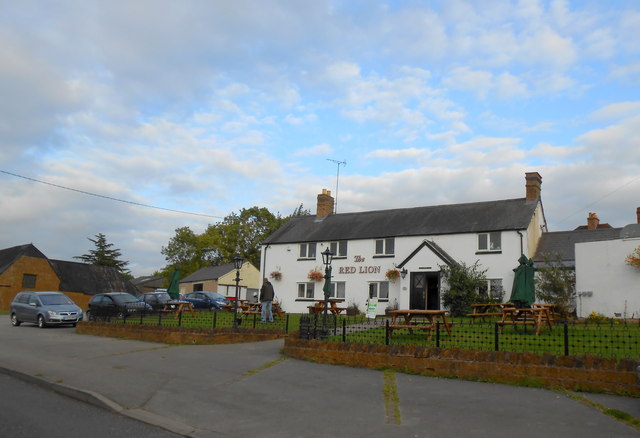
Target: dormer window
(308,251)
(490,242)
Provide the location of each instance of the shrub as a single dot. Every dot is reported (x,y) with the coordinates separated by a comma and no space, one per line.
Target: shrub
(463,282)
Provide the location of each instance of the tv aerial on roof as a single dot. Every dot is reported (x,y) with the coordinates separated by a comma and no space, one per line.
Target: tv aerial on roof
(344,163)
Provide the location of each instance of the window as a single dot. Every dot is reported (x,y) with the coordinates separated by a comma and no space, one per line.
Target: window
(385,246)
(337,289)
(29,281)
(339,249)
(379,289)
(305,290)
(198,286)
(490,241)
(308,251)
(493,289)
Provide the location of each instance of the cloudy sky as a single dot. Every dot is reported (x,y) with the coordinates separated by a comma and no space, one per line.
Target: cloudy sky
(208,107)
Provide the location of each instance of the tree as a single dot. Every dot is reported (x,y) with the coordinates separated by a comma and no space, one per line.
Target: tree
(463,283)
(242,234)
(104,255)
(238,233)
(556,283)
(187,252)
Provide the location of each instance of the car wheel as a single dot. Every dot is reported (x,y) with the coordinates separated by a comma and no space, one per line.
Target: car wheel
(41,322)
(14,320)
(89,315)
(120,315)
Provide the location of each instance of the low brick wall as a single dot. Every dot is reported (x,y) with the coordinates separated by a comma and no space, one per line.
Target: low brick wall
(177,335)
(584,373)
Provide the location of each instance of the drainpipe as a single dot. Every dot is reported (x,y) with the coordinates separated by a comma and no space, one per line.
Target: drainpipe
(264,262)
(521,244)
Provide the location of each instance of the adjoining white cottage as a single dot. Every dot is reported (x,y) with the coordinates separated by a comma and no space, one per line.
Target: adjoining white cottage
(416,241)
(604,282)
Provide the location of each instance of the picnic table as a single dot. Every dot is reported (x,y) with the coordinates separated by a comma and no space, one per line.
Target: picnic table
(425,320)
(551,308)
(487,310)
(333,307)
(255,308)
(535,316)
(178,307)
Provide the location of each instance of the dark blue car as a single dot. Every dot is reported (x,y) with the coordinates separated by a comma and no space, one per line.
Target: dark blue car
(206,300)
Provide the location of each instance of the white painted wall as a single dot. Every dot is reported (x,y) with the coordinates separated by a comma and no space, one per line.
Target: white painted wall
(601,269)
(462,247)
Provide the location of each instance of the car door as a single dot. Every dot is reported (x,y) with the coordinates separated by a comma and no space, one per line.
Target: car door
(20,306)
(31,309)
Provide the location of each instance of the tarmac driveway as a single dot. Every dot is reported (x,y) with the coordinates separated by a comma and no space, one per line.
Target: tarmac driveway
(250,390)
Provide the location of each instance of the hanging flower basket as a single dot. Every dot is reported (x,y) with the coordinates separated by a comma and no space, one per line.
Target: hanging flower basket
(276,275)
(633,259)
(392,275)
(315,275)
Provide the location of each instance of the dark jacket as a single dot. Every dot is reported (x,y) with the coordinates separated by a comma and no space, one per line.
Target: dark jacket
(266,292)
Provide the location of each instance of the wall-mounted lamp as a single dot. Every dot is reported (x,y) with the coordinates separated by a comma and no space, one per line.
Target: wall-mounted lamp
(403,273)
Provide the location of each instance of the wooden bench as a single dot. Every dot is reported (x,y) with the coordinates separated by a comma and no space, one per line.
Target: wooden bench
(486,310)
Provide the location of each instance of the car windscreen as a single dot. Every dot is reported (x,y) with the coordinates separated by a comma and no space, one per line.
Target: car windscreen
(125,298)
(215,296)
(54,299)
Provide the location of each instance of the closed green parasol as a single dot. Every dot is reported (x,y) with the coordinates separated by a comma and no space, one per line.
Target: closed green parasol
(174,290)
(523,292)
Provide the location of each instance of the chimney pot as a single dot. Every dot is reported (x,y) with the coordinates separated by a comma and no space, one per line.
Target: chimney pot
(533,185)
(592,221)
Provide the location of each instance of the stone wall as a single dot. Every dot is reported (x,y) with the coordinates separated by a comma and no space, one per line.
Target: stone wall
(585,373)
(11,278)
(177,335)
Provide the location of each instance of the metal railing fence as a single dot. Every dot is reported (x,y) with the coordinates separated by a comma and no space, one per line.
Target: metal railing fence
(615,339)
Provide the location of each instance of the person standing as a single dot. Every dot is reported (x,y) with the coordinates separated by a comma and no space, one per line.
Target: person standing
(266,298)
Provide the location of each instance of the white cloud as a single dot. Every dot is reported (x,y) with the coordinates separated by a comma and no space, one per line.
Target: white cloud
(319,149)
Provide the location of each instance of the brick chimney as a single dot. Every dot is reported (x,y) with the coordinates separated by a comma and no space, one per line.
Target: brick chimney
(533,185)
(592,221)
(325,203)
(638,214)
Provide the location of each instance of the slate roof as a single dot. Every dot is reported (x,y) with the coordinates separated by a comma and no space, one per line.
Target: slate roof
(563,242)
(91,279)
(510,214)
(9,255)
(208,273)
(153,281)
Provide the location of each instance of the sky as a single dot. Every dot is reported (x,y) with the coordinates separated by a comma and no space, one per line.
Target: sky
(132,119)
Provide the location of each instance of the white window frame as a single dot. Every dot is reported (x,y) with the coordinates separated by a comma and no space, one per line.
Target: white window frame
(338,248)
(307,251)
(491,288)
(306,290)
(490,242)
(385,247)
(378,288)
(341,288)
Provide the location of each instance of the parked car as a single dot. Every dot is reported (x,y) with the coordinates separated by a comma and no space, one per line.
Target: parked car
(115,304)
(44,308)
(156,300)
(206,300)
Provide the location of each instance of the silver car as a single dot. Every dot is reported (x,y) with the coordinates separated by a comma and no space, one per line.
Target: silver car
(44,308)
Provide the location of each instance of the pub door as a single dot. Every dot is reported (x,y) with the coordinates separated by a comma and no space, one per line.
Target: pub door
(425,291)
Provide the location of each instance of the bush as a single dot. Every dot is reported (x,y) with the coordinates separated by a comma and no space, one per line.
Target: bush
(463,282)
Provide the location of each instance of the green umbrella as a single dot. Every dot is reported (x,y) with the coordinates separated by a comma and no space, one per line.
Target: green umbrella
(523,291)
(173,290)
